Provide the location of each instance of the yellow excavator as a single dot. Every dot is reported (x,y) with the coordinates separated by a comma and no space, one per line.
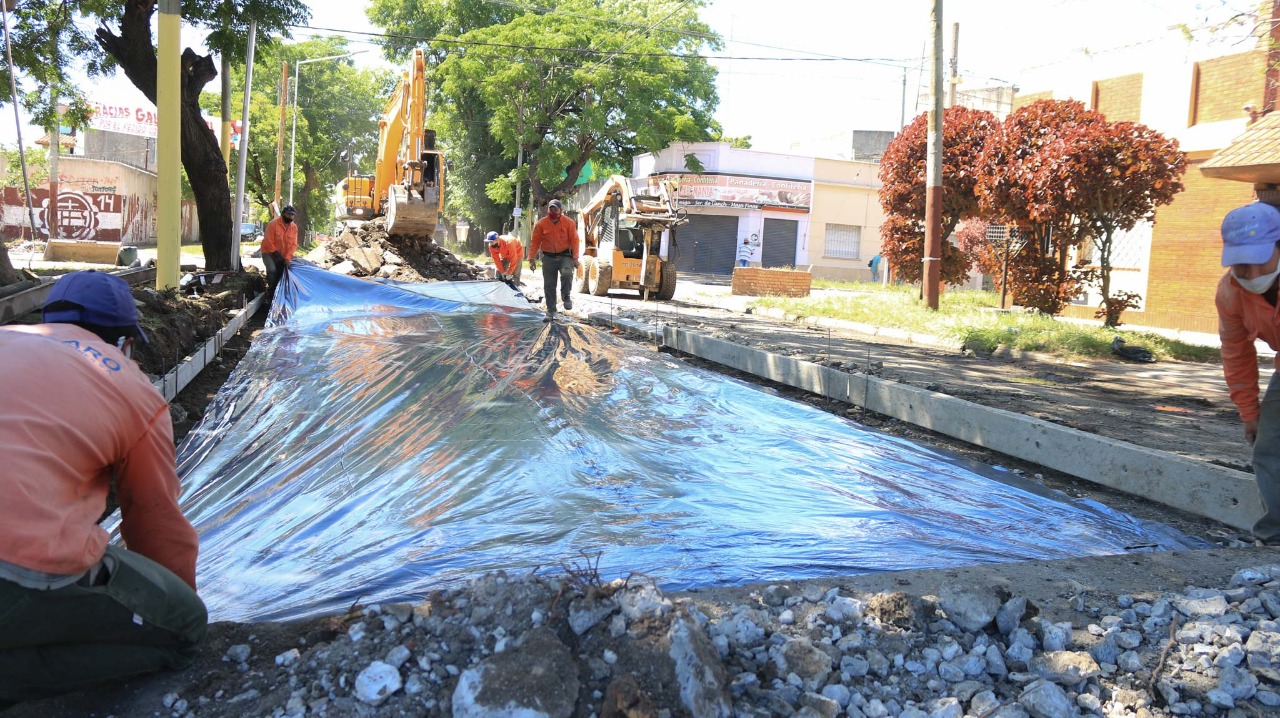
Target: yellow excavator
(629,238)
(407,186)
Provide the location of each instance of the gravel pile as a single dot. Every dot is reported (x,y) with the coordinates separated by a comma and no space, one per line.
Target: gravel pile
(569,646)
(370,252)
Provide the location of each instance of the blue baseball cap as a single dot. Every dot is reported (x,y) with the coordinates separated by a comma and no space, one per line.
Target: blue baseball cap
(1249,234)
(92,297)
(491,237)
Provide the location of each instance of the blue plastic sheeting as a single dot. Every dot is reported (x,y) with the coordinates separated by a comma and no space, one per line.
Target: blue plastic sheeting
(377,442)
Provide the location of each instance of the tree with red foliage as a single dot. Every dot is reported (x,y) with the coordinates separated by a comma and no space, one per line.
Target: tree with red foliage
(1109,176)
(903,170)
(902,246)
(1020,185)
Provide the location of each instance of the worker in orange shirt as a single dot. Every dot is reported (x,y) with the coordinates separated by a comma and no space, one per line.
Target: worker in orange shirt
(78,415)
(1247,302)
(508,257)
(555,242)
(279,244)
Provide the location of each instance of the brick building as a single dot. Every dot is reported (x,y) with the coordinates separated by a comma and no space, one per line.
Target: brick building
(1174,262)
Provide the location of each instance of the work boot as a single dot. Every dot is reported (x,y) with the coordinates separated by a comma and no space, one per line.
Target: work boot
(551,316)
(568,303)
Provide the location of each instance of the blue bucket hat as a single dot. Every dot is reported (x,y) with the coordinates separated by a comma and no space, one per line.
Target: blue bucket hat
(1249,234)
(93,297)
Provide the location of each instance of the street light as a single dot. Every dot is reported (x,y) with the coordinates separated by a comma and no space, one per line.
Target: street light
(297,81)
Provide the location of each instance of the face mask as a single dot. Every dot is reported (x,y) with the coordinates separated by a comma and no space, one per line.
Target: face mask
(1258,285)
(287,219)
(125,346)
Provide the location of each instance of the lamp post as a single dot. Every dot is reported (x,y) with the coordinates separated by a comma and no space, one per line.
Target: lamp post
(297,82)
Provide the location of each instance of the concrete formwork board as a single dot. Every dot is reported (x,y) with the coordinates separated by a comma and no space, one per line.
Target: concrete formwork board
(1203,489)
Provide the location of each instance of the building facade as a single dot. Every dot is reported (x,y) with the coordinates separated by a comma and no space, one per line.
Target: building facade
(789,210)
(1173,262)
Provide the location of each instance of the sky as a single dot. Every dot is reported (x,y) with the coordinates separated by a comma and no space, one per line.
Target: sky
(808,72)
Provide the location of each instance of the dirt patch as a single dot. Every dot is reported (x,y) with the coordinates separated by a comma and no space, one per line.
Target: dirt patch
(371,252)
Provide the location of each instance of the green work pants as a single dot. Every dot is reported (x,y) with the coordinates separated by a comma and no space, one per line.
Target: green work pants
(1266,463)
(138,619)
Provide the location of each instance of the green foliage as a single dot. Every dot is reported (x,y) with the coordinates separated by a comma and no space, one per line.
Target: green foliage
(582,83)
(693,164)
(338,110)
(737,143)
(969,317)
(37,166)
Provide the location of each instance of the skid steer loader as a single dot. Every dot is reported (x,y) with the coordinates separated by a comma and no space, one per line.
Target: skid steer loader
(629,238)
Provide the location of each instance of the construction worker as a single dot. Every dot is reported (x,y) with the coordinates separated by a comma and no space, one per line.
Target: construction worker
(1247,310)
(555,242)
(508,257)
(278,246)
(79,417)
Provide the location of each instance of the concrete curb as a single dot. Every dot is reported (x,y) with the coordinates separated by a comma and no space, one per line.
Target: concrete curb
(171,384)
(1199,488)
(30,300)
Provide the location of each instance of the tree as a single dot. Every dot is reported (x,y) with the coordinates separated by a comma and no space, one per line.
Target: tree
(123,33)
(338,112)
(130,46)
(1019,186)
(903,172)
(594,81)
(1109,176)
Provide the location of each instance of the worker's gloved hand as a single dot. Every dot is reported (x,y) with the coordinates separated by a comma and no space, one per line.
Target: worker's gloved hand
(576,264)
(533,264)
(1251,430)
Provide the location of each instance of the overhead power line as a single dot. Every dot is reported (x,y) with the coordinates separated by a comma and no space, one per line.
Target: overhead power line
(887,61)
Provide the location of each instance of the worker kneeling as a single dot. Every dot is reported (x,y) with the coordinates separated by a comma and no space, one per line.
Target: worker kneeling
(78,413)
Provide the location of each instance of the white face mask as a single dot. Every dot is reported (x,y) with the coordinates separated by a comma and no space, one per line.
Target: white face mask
(1258,285)
(125,346)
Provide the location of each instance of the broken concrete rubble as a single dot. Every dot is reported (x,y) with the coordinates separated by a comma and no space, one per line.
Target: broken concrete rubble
(370,252)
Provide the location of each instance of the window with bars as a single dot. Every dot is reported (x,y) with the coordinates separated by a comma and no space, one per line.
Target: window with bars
(843,241)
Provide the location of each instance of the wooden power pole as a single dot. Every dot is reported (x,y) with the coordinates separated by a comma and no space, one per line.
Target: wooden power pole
(284,114)
(955,64)
(932,274)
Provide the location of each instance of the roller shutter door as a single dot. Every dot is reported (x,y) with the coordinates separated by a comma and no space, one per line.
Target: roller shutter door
(779,247)
(708,244)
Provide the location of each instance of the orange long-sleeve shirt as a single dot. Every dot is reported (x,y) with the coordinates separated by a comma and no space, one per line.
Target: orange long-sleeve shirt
(1244,317)
(507,253)
(76,411)
(554,237)
(282,238)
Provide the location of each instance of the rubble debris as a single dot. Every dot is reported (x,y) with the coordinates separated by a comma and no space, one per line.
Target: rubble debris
(504,645)
(370,252)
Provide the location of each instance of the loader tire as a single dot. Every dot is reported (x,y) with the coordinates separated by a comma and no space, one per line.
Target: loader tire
(601,276)
(582,279)
(666,282)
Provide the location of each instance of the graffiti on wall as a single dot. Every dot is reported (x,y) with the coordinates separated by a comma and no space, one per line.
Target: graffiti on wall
(95,216)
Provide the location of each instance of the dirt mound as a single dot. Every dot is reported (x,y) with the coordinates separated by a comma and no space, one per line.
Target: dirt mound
(371,252)
(178,321)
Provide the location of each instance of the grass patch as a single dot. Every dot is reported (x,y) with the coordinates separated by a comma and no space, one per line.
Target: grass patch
(971,317)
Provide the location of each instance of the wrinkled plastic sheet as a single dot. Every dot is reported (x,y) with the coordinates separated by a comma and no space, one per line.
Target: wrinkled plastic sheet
(381,441)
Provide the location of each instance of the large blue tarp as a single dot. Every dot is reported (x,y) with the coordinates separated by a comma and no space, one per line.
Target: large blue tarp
(380,441)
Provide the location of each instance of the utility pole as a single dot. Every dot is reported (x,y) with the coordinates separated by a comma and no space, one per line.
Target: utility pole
(284,115)
(17,121)
(238,211)
(225,139)
(902,116)
(169,145)
(933,191)
(55,149)
(955,63)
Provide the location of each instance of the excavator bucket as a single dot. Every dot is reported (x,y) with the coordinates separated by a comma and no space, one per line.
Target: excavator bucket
(410,215)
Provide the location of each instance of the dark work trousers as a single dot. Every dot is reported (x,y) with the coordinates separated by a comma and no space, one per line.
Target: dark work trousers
(1266,462)
(275,269)
(557,267)
(135,619)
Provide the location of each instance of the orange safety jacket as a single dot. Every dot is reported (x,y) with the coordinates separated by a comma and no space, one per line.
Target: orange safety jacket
(76,413)
(554,237)
(282,238)
(1244,317)
(507,253)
